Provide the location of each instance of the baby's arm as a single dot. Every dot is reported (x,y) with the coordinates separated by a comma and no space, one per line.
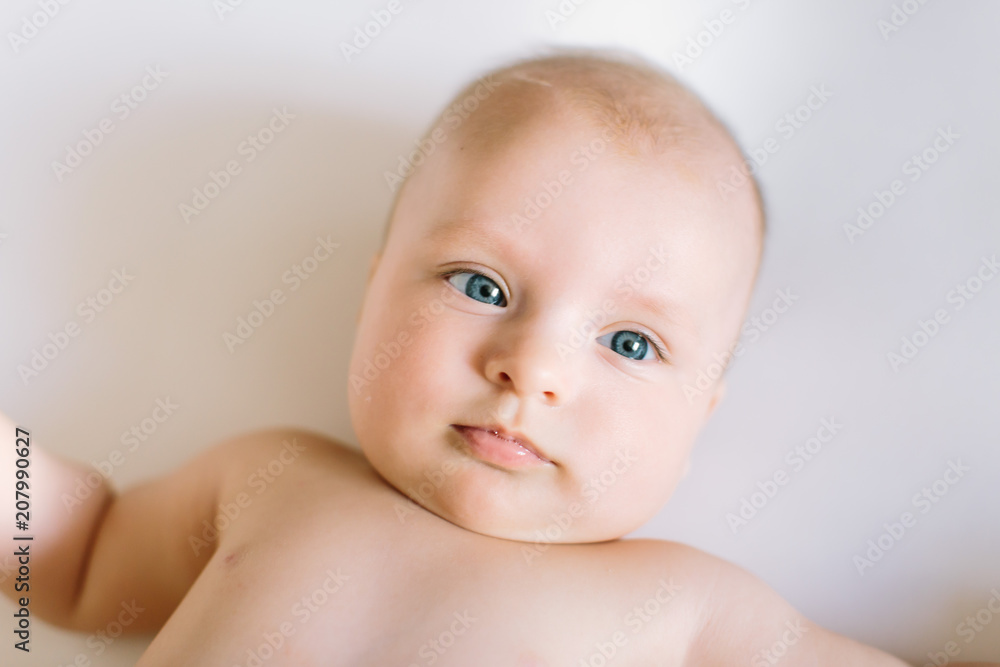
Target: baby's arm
(749,623)
(742,621)
(88,558)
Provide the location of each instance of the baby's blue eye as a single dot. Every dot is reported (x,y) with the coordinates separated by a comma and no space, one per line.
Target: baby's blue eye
(630,344)
(479,287)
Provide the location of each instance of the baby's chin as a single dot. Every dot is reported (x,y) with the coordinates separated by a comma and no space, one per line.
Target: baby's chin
(542,505)
(480,508)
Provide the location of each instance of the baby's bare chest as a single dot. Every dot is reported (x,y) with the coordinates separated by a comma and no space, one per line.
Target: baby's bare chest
(381,582)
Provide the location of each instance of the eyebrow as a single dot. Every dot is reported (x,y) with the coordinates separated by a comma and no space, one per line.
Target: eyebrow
(458,230)
(665,308)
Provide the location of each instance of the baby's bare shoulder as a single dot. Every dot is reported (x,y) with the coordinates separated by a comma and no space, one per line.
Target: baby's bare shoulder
(653,595)
(731,616)
(282,447)
(260,460)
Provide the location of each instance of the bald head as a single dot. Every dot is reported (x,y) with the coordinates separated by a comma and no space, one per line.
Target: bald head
(645,111)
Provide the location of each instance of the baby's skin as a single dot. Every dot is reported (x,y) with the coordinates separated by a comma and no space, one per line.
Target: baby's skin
(520,386)
(323,563)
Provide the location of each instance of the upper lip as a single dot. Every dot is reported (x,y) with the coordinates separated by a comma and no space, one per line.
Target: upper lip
(521,438)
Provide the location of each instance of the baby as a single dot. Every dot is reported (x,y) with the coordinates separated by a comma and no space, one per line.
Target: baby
(557,270)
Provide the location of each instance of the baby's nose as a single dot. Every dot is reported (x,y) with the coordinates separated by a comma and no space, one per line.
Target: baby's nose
(528,362)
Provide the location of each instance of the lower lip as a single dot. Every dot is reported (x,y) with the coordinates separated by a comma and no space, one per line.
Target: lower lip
(498,451)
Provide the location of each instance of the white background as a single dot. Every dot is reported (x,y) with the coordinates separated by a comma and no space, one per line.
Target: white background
(826,357)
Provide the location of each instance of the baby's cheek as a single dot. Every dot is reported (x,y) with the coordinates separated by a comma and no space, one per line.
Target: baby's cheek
(394,344)
(653,450)
(432,377)
(629,490)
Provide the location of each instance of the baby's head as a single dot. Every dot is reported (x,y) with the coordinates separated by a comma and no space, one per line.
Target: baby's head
(559,268)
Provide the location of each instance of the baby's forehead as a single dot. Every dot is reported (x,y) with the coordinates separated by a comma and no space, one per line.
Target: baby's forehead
(559,168)
(562,163)
(602,222)
(630,109)
(562,133)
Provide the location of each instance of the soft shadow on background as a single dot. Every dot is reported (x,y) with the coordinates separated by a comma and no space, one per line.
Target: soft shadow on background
(885,95)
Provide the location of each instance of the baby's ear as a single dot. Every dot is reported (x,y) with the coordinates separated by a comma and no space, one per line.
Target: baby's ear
(720,391)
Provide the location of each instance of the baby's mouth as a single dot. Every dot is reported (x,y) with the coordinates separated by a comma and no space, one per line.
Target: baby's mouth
(498,447)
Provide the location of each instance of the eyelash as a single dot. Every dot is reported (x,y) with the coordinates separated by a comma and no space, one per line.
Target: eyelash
(660,351)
